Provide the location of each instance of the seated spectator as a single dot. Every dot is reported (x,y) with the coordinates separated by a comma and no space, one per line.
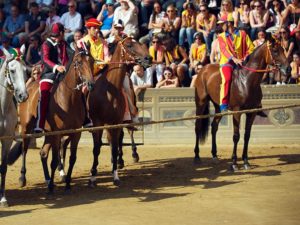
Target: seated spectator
(188,25)
(35,22)
(242,16)
(215,48)
(259,18)
(295,65)
(291,15)
(35,74)
(169,79)
(198,56)
(77,36)
(145,9)
(33,55)
(141,80)
(226,8)
(261,37)
(287,43)
(106,16)
(71,20)
(155,25)
(172,22)
(2,19)
(177,58)
(62,6)
(206,24)
(127,12)
(276,10)
(194,76)
(43,5)
(14,26)
(157,52)
(5,44)
(50,20)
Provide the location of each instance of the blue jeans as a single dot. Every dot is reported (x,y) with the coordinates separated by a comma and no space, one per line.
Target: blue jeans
(209,39)
(186,33)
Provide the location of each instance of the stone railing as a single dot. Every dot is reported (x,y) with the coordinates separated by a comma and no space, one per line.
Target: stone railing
(281,127)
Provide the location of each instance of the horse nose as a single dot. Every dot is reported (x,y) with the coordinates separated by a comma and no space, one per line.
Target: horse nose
(22,97)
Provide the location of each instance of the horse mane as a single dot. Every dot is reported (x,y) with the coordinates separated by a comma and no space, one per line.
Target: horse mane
(253,54)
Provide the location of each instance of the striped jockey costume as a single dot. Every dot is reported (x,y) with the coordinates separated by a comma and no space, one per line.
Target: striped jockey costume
(53,55)
(236,45)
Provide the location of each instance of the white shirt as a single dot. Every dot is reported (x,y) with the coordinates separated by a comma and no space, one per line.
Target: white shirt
(140,81)
(71,22)
(130,20)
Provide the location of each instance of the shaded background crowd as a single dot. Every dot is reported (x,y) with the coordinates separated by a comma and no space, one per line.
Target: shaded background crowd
(180,34)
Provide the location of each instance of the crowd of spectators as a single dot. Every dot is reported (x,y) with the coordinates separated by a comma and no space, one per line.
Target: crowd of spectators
(180,34)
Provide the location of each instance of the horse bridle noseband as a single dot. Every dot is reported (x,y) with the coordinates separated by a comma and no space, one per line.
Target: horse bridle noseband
(76,67)
(9,87)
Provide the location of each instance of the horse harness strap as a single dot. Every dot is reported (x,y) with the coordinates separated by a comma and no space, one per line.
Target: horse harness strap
(270,56)
(10,87)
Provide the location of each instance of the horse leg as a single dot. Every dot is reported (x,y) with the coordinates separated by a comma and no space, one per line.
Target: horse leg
(55,141)
(201,128)
(135,155)
(97,139)
(24,146)
(236,138)
(214,130)
(249,121)
(44,158)
(120,156)
(3,169)
(114,137)
(62,157)
(73,156)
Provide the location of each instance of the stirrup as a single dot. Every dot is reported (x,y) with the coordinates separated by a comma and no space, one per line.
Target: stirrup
(88,125)
(38,130)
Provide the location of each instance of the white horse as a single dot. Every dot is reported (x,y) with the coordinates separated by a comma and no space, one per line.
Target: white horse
(12,84)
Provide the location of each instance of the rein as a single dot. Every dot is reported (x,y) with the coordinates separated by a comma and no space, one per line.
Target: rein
(263,70)
(10,87)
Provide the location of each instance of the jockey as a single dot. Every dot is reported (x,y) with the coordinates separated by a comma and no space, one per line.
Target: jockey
(54,61)
(235,46)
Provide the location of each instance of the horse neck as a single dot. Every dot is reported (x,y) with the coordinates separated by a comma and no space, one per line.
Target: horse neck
(6,97)
(258,62)
(66,87)
(116,72)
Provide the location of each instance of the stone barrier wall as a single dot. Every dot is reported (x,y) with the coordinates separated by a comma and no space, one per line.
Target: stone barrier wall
(281,127)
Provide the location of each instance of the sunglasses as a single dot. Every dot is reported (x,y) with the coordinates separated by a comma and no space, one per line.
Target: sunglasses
(154,42)
(242,3)
(282,32)
(110,4)
(167,73)
(224,4)
(275,5)
(202,10)
(171,11)
(257,6)
(71,6)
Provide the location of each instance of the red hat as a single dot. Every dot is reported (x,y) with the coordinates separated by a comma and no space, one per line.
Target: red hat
(56,29)
(92,22)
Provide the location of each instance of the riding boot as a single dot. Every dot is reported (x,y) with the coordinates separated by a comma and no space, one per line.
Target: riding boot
(45,88)
(87,121)
(261,113)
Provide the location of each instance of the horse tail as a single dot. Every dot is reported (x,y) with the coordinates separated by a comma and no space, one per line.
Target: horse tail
(204,126)
(15,152)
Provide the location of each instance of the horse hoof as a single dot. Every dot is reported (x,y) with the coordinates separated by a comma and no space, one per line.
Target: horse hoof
(247,166)
(63,179)
(215,160)
(121,164)
(135,158)
(68,190)
(234,168)
(22,182)
(3,203)
(117,183)
(92,184)
(197,160)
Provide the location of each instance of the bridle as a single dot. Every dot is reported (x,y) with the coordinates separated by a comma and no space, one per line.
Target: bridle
(77,66)
(269,58)
(9,87)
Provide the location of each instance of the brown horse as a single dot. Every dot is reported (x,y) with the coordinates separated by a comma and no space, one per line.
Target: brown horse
(106,102)
(245,93)
(66,111)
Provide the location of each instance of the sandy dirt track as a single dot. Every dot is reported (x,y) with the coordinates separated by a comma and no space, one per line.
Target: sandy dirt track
(165,187)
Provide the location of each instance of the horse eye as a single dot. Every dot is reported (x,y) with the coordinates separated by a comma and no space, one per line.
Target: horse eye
(12,71)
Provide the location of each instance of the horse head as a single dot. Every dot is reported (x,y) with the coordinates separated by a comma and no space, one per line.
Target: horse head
(276,54)
(131,50)
(83,62)
(14,72)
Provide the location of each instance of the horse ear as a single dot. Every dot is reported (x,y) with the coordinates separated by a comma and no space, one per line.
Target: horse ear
(6,53)
(22,49)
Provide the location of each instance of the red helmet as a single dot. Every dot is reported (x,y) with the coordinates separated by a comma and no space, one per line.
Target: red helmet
(56,29)
(92,22)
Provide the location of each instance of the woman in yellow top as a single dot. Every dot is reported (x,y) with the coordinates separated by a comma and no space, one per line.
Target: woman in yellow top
(206,24)
(198,53)
(188,25)
(176,58)
(295,65)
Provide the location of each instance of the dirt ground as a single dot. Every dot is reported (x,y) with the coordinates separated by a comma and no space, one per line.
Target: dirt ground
(165,187)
